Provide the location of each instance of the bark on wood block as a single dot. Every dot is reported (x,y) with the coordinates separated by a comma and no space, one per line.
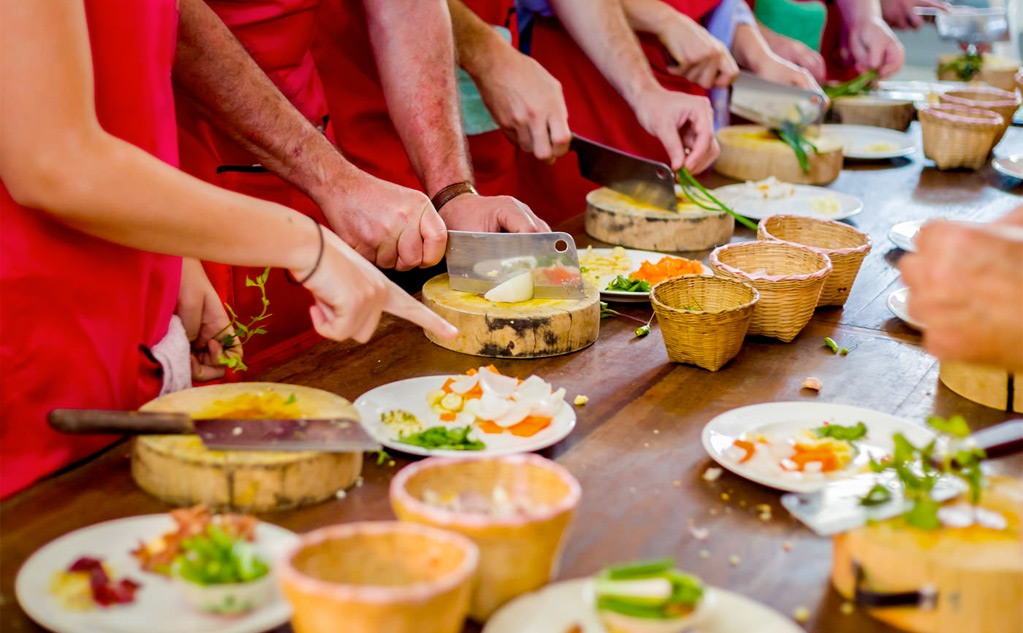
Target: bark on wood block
(618,219)
(751,152)
(988,386)
(977,572)
(177,469)
(530,329)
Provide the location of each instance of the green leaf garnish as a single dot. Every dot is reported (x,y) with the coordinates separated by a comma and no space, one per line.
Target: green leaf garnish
(214,558)
(855,86)
(955,425)
(702,198)
(877,495)
(844,433)
(438,437)
(628,284)
(243,331)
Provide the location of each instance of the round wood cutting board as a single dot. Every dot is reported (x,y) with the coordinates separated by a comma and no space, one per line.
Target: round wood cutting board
(750,152)
(618,219)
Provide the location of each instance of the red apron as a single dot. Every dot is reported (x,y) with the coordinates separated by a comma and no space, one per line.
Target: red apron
(76,309)
(359,114)
(595,110)
(278,34)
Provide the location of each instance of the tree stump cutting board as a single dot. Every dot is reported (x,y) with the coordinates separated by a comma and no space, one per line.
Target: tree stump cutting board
(989,386)
(530,329)
(751,152)
(179,470)
(618,219)
(976,572)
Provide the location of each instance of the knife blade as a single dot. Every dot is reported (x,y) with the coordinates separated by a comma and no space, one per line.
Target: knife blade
(836,506)
(478,262)
(772,104)
(327,435)
(648,181)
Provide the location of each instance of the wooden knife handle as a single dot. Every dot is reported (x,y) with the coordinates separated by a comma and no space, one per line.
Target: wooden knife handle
(100,421)
(1001,439)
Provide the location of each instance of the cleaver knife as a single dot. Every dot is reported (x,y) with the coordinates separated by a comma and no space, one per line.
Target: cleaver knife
(479,261)
(326,435)
(772,104)
(836,506)
(648,181)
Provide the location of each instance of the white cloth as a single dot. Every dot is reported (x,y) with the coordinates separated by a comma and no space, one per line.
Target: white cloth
(173,352)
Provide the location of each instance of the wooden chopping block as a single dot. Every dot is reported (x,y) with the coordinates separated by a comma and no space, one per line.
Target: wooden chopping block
(997,72)
(988,386)
(179,470)
(618,219)
(530,329)
(889,113)
(976,572)
(751,152)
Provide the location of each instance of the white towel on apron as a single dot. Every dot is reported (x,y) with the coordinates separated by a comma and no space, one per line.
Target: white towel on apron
(174,354)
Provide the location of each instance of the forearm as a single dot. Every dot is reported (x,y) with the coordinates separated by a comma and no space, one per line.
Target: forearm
(413,46)
(749,47)
(648,16)
(601,30)
(477,44)
(221,79)
(856,12)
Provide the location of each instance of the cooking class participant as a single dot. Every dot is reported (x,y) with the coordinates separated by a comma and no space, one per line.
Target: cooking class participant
(95,220)
(966,284)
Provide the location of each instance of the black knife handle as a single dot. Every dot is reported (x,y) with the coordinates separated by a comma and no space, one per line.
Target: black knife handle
(101,421)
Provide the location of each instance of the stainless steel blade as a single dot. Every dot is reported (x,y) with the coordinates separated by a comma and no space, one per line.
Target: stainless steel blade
(645,180)
(479,261)
(329,435)
(836,506)
(970,25)
(772,104)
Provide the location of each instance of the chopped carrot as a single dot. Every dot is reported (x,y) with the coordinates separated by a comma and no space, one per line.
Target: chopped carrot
(448,416)
(473,394)
(447,385)
(749,447)
(489,426)
(827,458)
(530,426)
(471,372)
(666,268)
(492,369)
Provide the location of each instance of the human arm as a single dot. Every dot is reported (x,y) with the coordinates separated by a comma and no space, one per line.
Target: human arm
(699,57)
(414,50)
(871,42)
(115,191)
(752,52)
(393,226)
(899,14)
(524,99)
(680,121)
(794,51)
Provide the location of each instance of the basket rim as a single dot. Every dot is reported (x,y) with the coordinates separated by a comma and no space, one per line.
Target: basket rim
(657,302)
(379,594)
(963,116)
(399,493)
(817,274)
(960,96)
(862,248)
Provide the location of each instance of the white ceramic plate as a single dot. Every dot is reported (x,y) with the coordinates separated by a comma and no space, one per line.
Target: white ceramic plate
(915,91)
(857,141)
(410,395)
(558,607)
(897,303)
(782,419)
(160,606)
(903,234)
(1011,166)
(637,257)
(753,205)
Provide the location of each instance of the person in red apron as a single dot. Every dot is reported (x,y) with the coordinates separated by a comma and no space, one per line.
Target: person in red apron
(86,304)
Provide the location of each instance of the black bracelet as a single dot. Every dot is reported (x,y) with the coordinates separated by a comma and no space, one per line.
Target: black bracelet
(319,258)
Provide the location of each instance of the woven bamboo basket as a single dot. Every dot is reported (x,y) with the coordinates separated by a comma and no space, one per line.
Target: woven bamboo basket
(520,552)
(955,136)
(703,319)
(844,245)
(379,576)
(788,277)
(1001,102)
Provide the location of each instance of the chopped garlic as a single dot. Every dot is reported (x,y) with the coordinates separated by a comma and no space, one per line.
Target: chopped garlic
(812,383)
(580,400)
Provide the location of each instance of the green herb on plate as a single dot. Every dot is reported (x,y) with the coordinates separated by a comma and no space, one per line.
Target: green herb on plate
(966,66)
(843,433)
(877,495)
(439,437)
(652,590)
(214,558)
(628,284)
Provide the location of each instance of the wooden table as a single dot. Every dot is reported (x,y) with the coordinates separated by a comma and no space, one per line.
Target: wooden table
(636,449)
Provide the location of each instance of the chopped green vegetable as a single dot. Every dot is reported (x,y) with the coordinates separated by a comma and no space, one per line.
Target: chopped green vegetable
(651,589)
(855,86)
(643,330)
(291,399)
(214,558)
(438,437)
(643,569)
(628,284)
(383,456)
(832,345)
(702,198)
(955,425)
(877,495)
(792,135)
(243,332)
(844,351)
(966,66)
(839,432)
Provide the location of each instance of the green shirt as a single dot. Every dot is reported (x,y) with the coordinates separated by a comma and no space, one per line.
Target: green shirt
(476,119)
(803,21)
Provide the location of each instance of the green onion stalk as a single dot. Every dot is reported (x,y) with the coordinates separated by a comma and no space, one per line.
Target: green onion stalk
(702,198)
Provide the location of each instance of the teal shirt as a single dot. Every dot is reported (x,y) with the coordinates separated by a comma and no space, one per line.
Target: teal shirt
(476,118)
(803,21)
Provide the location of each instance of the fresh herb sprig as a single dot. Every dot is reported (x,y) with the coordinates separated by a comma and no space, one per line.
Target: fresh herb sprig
(855,86)
(215,558)
(794,136)
(242,332)
(839,432)
(702,198)
(628,284)
(454,439)
(966,66)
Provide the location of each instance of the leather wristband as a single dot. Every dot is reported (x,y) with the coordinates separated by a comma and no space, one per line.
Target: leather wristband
(449,193)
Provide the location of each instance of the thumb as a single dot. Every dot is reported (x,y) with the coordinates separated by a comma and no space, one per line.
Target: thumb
(401,304)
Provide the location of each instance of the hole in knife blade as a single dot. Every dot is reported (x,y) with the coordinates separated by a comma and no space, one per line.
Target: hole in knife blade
(561,246)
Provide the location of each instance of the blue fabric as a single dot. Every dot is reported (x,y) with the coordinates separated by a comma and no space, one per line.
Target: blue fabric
(526,11)
(476,118)
(721,23)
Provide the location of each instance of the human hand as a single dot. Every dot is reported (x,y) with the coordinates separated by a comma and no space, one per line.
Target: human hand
(527,102)
(491,214)
(873,45)
(205,319)
(796,52)
(966,286)
(699,56)
(899,14)
(390,225)
(351,294)
(777,69)
(682,122)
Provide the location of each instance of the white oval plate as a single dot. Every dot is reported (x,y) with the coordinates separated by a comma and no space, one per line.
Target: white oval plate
(410,395)
(159,606)
(903,234)
(752,205)
(897,303)
(637,257)
(559,606)
(782,419)
(856,140)
(1011,166)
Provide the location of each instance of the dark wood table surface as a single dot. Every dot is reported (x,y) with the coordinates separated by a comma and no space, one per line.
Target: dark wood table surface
(636,449)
